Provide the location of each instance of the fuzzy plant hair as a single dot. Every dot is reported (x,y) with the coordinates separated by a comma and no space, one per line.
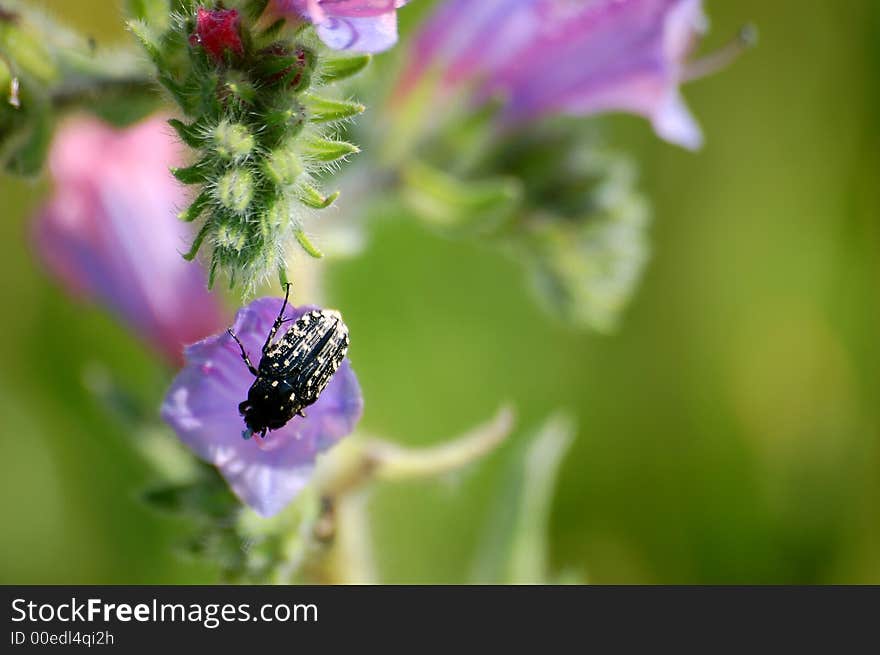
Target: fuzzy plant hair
(262,122)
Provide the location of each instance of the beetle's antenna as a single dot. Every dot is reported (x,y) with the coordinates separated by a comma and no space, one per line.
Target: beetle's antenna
(279,320)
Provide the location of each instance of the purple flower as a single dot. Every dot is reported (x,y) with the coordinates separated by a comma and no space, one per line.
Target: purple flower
(111,232)
(202,407)
(360,25)
(578,57)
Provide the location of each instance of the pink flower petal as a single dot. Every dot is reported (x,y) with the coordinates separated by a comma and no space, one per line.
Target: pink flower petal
(565,56)
(111,232)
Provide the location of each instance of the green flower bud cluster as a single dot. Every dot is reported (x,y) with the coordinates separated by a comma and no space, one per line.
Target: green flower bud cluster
(563,205)
(586,266)
(259,123)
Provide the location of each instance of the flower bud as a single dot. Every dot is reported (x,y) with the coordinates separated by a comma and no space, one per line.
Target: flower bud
(283,166)
(233,141)
(230,236)
(235,190)
(273,220)
(218,31)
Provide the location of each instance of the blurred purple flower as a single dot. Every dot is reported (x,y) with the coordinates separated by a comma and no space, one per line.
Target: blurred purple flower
(578,57)
(202,407)
(359,25)
(111,232)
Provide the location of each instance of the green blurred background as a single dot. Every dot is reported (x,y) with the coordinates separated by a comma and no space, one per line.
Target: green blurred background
(728,433)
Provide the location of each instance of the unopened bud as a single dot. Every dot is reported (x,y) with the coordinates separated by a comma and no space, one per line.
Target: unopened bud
(235,189)
(283,166)
(233,141)
(273,220)
(218,31)
(230,236)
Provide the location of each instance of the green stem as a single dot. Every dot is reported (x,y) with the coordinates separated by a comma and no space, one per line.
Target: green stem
(339,547)
(67,96)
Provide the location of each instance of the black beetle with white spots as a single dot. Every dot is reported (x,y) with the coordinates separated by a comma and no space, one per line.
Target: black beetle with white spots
(294,370)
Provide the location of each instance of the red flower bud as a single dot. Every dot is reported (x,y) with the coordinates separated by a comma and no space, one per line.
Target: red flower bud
(218,31)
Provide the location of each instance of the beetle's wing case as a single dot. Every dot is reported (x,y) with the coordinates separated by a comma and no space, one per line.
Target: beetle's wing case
(308,354)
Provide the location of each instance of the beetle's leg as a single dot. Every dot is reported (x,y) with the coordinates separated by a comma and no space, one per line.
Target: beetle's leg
(244,355)
(279,320)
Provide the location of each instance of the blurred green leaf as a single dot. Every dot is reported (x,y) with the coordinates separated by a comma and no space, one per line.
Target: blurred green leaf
(25,134)
(205,499)
(152,12)
(444,201)
(515,548)
(586,273)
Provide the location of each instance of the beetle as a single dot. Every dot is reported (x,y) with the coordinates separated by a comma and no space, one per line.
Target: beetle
(294,370)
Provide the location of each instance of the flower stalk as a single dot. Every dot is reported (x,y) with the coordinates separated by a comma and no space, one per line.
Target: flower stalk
(339,548)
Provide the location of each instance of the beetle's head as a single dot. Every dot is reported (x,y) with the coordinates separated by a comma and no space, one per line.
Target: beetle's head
(254,418)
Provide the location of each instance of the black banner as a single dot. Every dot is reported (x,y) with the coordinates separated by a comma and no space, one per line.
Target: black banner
(243,619)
